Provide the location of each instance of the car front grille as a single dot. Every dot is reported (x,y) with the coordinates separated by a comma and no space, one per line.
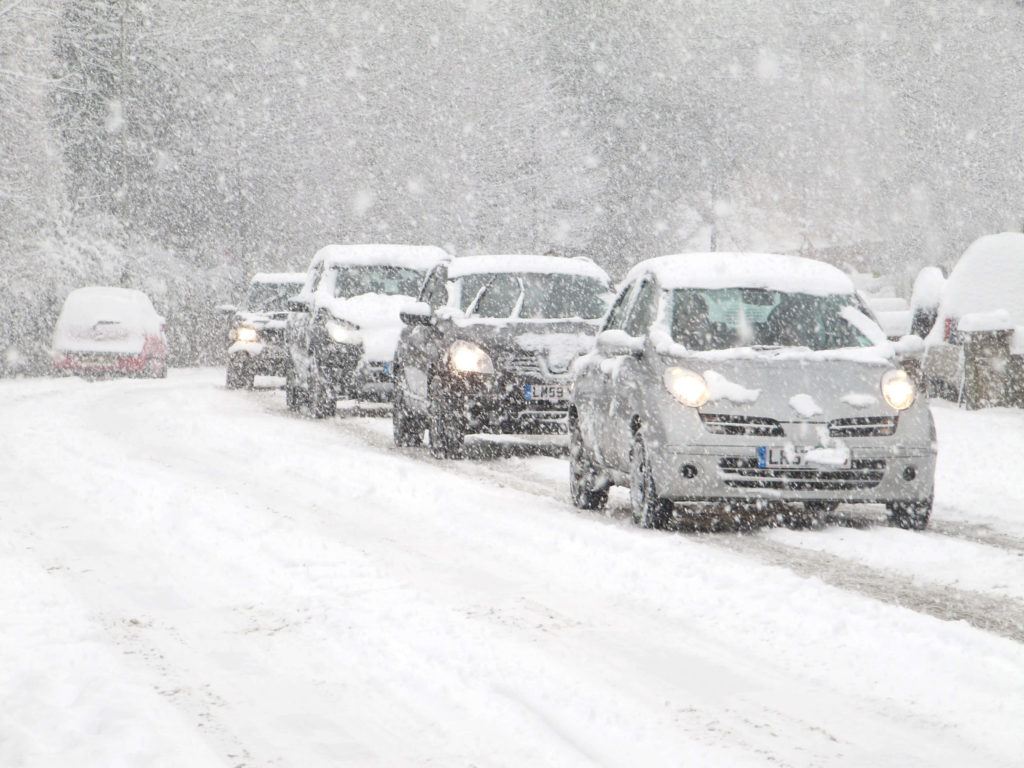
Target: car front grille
(743,472)
(863,426)
(272,335)
(525,364)
(731,424)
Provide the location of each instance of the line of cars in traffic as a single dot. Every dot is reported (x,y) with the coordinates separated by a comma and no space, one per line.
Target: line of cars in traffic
(708,384)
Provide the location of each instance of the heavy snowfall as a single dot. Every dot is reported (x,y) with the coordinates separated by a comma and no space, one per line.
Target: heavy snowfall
(195,573)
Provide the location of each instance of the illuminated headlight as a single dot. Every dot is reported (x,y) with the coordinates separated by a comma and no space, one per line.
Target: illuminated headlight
(247,334)
(467,357)
(341,332)
(687,387)
(898,389)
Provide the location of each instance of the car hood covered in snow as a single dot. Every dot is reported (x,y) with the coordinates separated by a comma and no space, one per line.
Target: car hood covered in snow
(378,319)
(793,388)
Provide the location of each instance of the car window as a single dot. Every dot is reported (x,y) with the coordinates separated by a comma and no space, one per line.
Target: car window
(269,297)
(617,316)
(710,319)
(435,290)
(382,279)
(641,314)
(499,297)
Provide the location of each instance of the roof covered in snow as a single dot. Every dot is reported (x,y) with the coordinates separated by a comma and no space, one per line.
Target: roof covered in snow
(526,263)
(409,256)
(793,274)
(279,277)
(989,277)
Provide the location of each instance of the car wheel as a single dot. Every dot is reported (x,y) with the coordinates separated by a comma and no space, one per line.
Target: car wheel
(239,375)
(323,400)
(581,473)
(447,432)
(294,397)
(909,515)
(649,509)
(406,428)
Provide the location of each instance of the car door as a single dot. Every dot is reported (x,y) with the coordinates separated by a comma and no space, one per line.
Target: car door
(419,345)
(592,386)
(622,377)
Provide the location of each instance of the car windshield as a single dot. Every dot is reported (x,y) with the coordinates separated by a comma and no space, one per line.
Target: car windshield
(533,296)
(382,279)
(713,319)
(270,297)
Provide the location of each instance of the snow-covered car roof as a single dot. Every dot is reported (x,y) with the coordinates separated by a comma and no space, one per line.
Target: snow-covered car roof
(526,263)
(793,274)
(409,256)
(927,290)
(279,277)
(108,303)
(988,278)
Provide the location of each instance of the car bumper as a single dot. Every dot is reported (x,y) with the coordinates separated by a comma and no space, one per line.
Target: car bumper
(735,472)
(502,406)
(262,359)
(100,362)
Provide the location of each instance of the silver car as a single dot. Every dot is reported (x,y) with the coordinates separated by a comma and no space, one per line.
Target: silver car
(746,381)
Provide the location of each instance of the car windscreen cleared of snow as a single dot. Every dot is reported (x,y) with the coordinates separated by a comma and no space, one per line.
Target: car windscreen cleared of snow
(533,296)
(715,319)
(356,280)
(270,297)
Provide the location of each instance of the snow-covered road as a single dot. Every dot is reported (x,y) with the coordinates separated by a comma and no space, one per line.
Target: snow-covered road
(192,576)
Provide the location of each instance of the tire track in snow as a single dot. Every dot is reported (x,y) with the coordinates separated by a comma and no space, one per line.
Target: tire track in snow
(998,615)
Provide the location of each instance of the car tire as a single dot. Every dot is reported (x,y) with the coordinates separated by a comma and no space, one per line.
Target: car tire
(447,431)
(581,473)
(407,428)
(239,375)
(323,399)
(911,516)
(649,509)
(294,397)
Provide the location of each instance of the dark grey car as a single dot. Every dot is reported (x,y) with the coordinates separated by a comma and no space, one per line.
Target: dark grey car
(489,346)
(746,381)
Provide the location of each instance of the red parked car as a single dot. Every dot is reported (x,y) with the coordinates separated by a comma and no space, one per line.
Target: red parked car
(103,330)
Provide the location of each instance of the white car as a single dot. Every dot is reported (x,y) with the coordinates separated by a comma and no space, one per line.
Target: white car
(344,324)
(974,354)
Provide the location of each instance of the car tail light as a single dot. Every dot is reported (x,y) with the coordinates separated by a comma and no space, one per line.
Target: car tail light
(947,330)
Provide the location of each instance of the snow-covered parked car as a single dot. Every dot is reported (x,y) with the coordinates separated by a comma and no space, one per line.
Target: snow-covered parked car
(107,330)
(343,325)
(256,340)
(489,346)
(731,382)
(974,354)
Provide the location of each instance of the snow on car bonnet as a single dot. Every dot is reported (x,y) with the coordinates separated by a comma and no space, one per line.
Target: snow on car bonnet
(298,278)
(792,274)
(474,265)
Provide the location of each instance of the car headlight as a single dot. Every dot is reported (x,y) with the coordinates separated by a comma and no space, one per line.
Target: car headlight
(687,387)
(897,389)
(247,334)
(467,357)
(341,332)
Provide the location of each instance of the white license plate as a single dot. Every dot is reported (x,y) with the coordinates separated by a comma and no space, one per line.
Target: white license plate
(544,392)
(769,458)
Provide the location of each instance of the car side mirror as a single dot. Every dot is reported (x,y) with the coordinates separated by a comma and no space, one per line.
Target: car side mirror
(297,304)
(617,343)
(417,314)
(910,346)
